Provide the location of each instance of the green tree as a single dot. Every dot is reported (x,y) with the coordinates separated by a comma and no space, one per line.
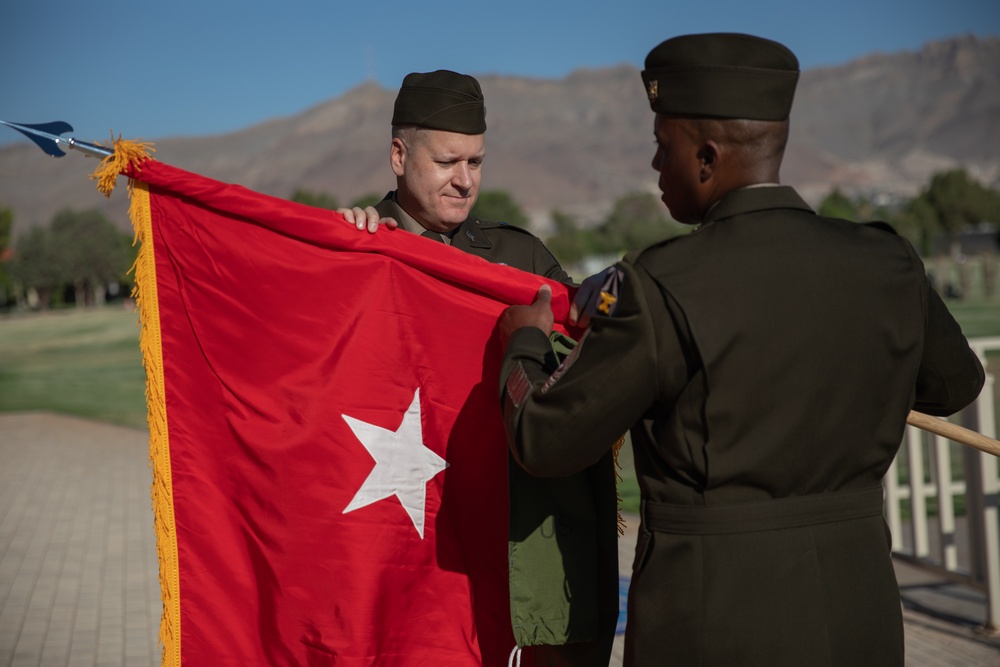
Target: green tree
(635,221)
(369,199)
(36,265)
(860,209)
(6,227)
(569,242)
(317,199)
(917,222)
(838,205)
(91,252)
(956,201)
(499,206)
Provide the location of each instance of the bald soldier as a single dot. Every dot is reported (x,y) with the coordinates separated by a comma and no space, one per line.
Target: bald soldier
(766,364)
(562,548)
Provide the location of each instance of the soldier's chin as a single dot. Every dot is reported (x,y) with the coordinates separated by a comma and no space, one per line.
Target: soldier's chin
(450,222)
(456,216)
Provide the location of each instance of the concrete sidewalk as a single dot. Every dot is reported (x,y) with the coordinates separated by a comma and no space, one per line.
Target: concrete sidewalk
(78,570)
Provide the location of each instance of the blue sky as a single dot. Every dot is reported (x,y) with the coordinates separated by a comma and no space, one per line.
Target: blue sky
(156,70)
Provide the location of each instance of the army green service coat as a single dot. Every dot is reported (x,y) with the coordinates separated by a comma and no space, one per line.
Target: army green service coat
(563,550)
(496,242)
(766,364)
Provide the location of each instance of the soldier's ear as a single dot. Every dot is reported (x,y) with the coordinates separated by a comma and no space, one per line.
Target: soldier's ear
(397,157)
(708,160)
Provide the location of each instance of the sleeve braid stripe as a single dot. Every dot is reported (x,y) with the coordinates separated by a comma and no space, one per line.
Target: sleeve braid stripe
(518,387)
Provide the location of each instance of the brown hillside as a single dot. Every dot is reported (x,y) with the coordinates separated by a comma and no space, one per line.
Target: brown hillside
(881,124)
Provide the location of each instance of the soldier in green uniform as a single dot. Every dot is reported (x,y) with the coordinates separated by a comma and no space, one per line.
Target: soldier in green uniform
(766,364)
(437,151)
(563,553)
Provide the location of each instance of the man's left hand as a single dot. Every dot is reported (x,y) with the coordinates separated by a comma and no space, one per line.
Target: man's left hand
(367,218)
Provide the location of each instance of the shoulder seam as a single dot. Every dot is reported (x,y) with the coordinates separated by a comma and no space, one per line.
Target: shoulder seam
(884,226)
(487,224)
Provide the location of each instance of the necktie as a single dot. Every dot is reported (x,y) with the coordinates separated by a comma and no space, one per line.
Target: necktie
(428,234)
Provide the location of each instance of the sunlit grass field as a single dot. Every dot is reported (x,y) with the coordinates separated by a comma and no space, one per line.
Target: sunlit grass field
(979,319)
(87,363)
(81,362)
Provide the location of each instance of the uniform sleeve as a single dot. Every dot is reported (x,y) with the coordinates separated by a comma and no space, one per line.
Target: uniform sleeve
(951,375)
(560,423)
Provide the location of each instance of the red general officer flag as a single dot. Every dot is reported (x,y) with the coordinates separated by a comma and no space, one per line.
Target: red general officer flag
(329,458)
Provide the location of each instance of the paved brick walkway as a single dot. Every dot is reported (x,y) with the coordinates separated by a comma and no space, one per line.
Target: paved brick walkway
(78,571)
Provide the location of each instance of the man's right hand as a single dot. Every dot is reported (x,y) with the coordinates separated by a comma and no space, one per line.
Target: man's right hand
(538,315)
(367,218)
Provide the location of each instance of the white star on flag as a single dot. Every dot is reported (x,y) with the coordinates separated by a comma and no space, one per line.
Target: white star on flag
(403,464)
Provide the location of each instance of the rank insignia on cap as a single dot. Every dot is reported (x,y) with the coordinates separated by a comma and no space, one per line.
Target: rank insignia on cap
(721,75)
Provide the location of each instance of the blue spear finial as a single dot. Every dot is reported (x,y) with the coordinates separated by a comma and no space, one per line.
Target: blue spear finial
(46,136)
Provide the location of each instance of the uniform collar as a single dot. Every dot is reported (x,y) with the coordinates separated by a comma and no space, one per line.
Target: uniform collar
(754,199)
(466,235)
(469,235)
(406,221)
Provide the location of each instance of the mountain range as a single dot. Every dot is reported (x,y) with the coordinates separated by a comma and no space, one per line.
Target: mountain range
(879,125)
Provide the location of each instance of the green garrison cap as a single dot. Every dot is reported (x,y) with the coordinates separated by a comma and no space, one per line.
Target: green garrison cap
(721,75)
(441,100)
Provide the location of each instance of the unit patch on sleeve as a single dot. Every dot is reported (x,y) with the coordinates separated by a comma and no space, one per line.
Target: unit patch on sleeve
(608,296)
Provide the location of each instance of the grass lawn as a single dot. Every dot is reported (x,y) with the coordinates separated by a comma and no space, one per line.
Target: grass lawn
(979,318)
(87,363)
(82,362)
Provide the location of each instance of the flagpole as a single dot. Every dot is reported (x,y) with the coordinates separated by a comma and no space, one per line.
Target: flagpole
(47,137)
(954,432)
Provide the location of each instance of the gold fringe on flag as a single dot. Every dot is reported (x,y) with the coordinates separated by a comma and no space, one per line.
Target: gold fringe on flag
(127,154)
(133,154)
